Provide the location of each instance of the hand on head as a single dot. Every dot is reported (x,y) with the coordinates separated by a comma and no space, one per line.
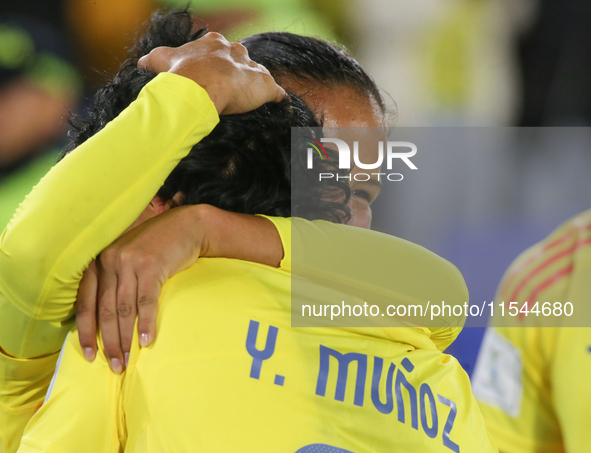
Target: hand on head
(234,82)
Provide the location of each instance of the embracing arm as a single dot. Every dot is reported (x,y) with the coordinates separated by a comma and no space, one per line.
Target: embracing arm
(372,266)
(84,203)
(96,192)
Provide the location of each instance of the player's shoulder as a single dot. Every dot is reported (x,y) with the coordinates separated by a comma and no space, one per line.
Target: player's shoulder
(350,244)
(548,262)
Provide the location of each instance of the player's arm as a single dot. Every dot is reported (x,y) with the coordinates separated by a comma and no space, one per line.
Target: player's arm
(327,252)
(92,196)
(96,192)
(78,208)
(377,268)
(84,203)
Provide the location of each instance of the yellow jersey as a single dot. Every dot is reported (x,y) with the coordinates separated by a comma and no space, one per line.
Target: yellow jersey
(532,382)
(19,183)
(227,371)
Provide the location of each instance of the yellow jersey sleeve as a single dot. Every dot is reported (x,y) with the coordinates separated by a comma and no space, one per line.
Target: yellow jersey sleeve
(100,188)
(331,254)
(283,226)
(530,380)
(85,202)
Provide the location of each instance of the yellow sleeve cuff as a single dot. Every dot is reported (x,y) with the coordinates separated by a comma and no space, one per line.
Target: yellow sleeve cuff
(283,225)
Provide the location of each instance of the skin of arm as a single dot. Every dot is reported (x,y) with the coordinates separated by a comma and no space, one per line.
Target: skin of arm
(149,254)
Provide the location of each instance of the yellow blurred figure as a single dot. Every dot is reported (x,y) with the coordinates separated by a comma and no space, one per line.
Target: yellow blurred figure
(532,382)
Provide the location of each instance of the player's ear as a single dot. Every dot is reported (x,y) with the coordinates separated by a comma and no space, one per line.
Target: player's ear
(155,207)
(158,205)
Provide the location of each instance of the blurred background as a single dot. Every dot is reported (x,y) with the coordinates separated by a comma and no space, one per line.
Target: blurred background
(488,63)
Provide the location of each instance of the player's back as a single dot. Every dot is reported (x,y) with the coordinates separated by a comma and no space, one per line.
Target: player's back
(227,372)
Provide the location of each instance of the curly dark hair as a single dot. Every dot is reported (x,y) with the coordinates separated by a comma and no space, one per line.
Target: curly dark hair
(245,165)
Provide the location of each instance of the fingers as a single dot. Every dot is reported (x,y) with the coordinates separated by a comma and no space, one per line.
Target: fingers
(126,309)
(239,51)
(163,59)
(148,291)
(234,83)
(112,286)
(160,59)
(108,318)
(123,284)
(86,312)
(275,92)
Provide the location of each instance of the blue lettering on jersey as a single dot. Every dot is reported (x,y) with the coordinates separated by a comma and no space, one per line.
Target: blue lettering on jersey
(421,403)
(343,360)
(388,406)
(432,430)
(257,355)
(321,448)
(449,424)
(412,394)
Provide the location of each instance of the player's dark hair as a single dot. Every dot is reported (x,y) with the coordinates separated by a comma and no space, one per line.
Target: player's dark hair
(245,164)
(312,60)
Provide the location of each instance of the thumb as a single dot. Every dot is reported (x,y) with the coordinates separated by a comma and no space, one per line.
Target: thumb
(280,94)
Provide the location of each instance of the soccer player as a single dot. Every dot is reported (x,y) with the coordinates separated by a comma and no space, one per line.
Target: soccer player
(531,381)
(223,380)
(70,217)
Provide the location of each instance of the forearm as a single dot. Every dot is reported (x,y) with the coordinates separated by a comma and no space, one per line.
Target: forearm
(87,201)
(240,236)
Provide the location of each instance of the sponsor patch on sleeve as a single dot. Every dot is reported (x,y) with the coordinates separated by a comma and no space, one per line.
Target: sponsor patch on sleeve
(497,378)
